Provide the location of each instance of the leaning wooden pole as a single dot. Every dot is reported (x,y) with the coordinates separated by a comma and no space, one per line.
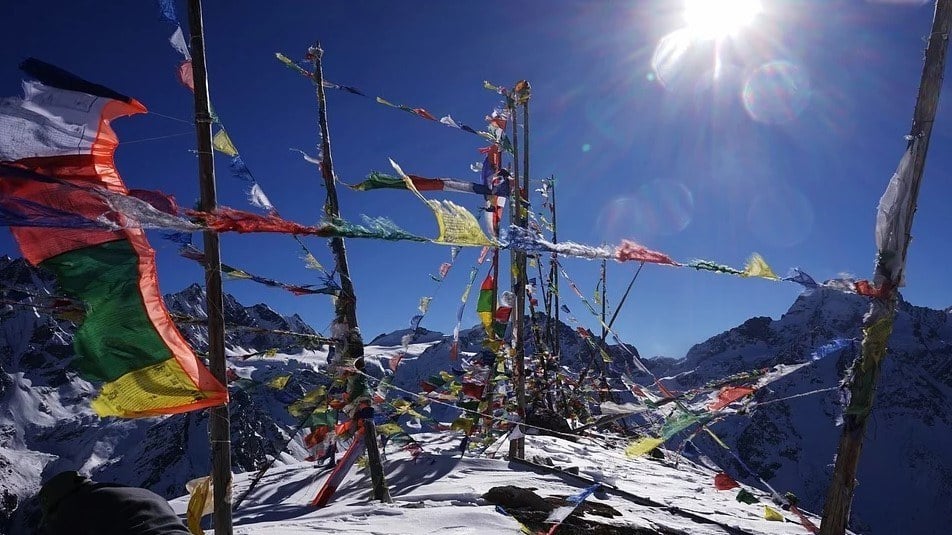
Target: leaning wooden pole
(893,226)
(219,425)
(554,276)
(348,341)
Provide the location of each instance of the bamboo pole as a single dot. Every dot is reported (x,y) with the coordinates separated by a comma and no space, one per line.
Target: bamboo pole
(350,344)
(219,425)
(878,322)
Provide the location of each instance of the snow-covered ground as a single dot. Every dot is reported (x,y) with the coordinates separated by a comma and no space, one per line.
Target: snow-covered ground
(442,492)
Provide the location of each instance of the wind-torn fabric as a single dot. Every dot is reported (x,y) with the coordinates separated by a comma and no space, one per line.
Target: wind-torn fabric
(800,277)
(561,513)
(178,43)
(375,180)
(831,347)
(707,265)
(525,240)
(225,219)
(424,304)
(894,217)
(672,426)
(257,198)
(757,267)
(728,395)
(629,250)
(457,226)
(223,144)
(379,228)
(485,307)
(127,341)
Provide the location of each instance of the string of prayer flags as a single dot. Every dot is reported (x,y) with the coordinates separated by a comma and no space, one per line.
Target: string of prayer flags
(60,128)
(192,253)
(419,112)
(456,225)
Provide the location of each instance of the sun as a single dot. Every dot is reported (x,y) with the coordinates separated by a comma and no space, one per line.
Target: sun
(716,19)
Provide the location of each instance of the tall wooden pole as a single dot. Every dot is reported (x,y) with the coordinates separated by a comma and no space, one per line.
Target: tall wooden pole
(348,341)
(604,282)
(890,264)
(517,446)
(554,276)
(219,426)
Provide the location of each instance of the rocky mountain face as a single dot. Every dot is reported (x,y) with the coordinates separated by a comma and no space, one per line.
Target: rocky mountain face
(46,425)
(906,467)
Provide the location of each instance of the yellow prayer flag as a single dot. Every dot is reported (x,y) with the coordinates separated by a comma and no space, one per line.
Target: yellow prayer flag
(757,267)
(457,226)
(279,382)
(462,424)
(223,144)
(642,446)
(197,506)
(771,514)
(389,429)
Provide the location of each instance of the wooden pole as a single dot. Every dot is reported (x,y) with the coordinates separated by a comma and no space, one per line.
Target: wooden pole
(878,322)
(517,446)
(219,426)
(350,344)
(604,282)
(554,276)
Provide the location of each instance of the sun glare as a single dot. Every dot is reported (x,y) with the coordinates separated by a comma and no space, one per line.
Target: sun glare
(715,19)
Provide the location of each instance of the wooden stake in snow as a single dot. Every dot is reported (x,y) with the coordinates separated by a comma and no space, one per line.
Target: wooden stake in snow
(348,341)
(219,426)
(893,226)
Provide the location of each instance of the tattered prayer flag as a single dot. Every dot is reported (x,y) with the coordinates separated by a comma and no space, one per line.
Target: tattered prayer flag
(728,395)
(707,265)
(445,269)
(629,250)
(279,382)
(559,514)
(395,361)
(127,341)
(223,144)
(178,43)
(830,348)
(485,306)
(389,429)
(799,276)
(642,446)
(167,10)
(376,180)
(198,505)
(425,304)
(463,424)
(757,267)
(772,514)
(311,263)
(723,481)
(744,496)
(257,198)
(186,75)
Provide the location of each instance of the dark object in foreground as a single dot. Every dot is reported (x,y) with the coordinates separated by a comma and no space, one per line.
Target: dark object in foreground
(75,505)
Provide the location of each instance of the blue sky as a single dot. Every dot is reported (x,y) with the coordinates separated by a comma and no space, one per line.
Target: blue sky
(779,140)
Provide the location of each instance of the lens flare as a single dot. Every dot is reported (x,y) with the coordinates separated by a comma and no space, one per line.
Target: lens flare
(658,208)
(776,93)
